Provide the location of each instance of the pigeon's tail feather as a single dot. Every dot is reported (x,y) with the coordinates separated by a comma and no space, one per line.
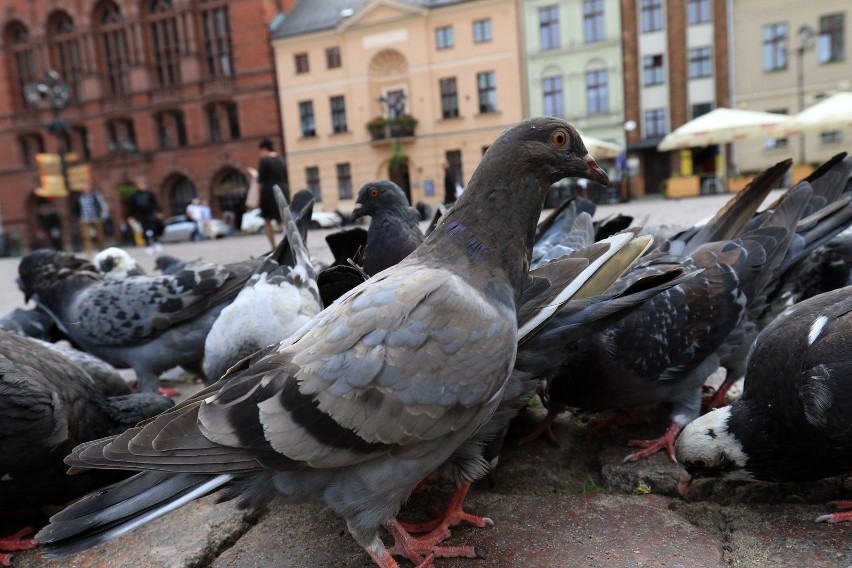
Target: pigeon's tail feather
(301,208)
(121,508)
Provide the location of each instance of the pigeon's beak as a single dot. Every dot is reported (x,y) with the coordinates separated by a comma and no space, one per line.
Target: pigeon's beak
(593,171)
(684,484)
(357,212)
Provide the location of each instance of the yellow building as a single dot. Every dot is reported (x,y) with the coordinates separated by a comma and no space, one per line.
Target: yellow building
(435,81)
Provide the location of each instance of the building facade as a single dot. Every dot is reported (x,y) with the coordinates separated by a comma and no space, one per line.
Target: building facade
(788,58)
(574,64)
(391,89)
(178,91)
(676,68)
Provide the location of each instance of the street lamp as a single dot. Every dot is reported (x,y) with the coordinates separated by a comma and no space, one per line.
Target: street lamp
(807,37)
(57,93)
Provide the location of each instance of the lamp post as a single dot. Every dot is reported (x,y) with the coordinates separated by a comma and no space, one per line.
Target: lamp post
(807,36)
(57,94)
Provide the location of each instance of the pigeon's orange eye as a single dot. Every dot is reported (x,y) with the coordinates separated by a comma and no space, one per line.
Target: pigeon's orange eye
(374,192)
(559,138)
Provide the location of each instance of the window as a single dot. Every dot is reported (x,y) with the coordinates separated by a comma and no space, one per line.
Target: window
(220,115)
(548,24)
(171,129)
(301,60)
(700,62)
(30,144)
(449,98)
(652,15)
(486,84)
(121,135)
(444,37)
(113,54)
(593,21)
(65,52)
(344,181)
(597,91)
(81,143)
(313,181)
(652,66)
(213,124)
(306,119)
(655,122)
(697,11)
(832,137)
(701,109)
(482,30)
(774,47)
(18,36)
(233,120)
(454,159)
(830,41)
(216,31)
(551,88)
(338,114)
(165,42)
(332,57)
(776,143)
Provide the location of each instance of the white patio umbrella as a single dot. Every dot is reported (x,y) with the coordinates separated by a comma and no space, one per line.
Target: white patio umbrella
(723,125)
(600,148)
(831,113)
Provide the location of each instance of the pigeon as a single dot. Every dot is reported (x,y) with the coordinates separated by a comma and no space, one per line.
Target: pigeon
(791,422)
(168,264)
(116,264)
(279,298)
(665,351)
(149,323)
(371,395)
(48,405)
(394,225)
(34,322)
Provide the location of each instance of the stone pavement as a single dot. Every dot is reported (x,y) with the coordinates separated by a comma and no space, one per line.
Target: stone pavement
(572,505)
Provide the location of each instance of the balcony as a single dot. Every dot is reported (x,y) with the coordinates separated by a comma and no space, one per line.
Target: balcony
(388,129)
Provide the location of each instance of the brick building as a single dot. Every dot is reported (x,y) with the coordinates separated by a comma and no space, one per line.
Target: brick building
(180,91)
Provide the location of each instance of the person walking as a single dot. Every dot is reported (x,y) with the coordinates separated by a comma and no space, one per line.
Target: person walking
(194,213)
(144,209)
(449,184)
(271,171)
(91,211)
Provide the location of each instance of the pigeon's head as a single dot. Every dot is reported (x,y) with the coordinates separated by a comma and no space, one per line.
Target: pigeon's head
(380,195)
(116,264)
(546,143)
(43,268)
(708,448)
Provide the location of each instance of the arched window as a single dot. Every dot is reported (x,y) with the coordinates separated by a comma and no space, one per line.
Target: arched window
(164,42)
(231,189)
(112,48)
(181,193)
(65,52)
(16,38)
(215,34)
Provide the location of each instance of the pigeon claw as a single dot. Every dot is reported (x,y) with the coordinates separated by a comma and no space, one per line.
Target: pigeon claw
(544,428)
(837,517)
(719,398)
(454,515)
(422,550)
(15,542)
(666,441)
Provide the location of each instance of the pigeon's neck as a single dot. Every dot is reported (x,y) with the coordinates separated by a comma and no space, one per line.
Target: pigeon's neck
(492,230)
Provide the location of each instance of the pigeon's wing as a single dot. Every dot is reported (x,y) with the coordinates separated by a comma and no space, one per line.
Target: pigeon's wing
(136,309)
(415,355)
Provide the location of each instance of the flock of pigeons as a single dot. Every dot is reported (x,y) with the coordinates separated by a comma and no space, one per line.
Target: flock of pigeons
(410,356)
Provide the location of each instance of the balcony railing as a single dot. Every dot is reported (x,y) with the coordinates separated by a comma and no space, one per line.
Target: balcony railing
(392,128)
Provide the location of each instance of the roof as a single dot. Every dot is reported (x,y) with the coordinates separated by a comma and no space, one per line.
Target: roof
(309,16)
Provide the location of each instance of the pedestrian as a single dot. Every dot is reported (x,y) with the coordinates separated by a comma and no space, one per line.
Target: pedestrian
(271,171)
(91,211)
(144,209)
(206,230)
(449,184)
(194,213)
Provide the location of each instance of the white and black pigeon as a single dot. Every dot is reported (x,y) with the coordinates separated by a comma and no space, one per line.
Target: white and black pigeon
(792,422)
(665,351)
(279,298)
(49,403)
(148,323)
(373,394)
(116,264)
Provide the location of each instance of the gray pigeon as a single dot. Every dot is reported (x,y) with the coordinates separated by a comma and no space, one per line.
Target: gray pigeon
(373,394)
(149,323)
(394,225)
(279,298)
(48,405)
(792,421)
(665,351)
(34,322)
(116,264)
